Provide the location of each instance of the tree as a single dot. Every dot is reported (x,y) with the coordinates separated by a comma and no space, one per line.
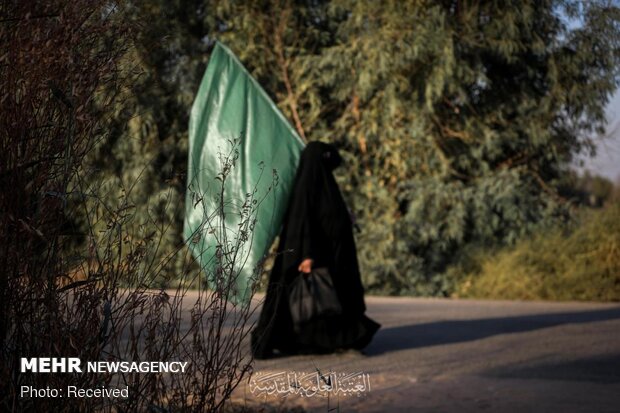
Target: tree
(456,118)
(460,117)
(142,162)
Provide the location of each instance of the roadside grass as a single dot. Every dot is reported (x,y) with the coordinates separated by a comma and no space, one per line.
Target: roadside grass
(580,261)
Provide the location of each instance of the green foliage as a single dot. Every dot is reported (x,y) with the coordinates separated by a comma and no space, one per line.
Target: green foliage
(456,119)
(581,262)
(141,165)
(588,189)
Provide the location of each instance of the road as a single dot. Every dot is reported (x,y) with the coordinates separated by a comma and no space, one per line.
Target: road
(442,355)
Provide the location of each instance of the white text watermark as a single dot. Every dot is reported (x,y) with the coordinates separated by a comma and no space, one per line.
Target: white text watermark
(309,384)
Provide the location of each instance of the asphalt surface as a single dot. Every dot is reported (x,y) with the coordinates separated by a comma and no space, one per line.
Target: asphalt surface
(442,355)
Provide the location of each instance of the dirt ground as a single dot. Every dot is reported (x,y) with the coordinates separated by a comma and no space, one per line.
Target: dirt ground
(442,355)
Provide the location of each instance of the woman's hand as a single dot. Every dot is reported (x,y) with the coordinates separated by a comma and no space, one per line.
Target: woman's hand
(306,266)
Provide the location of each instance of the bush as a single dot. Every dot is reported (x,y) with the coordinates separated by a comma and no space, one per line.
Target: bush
(580,261)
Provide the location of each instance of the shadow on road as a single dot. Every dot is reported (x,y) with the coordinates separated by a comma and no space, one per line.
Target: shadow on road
(446,332)
(597,369)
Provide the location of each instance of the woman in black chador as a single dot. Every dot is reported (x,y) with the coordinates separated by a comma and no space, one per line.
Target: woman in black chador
(316,232)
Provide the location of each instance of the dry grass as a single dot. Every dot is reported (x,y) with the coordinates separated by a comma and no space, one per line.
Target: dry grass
(581,262)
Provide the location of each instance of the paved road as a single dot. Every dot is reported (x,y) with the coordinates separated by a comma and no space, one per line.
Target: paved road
(440,355)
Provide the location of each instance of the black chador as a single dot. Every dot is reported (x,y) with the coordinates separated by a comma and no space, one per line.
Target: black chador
(317,226)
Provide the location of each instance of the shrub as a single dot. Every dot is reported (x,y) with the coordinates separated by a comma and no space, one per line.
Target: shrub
(580,261)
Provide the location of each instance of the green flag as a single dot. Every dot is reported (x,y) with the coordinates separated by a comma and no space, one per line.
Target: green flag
(243,156)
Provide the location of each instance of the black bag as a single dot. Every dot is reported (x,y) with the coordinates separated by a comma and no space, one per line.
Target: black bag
(313,296)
